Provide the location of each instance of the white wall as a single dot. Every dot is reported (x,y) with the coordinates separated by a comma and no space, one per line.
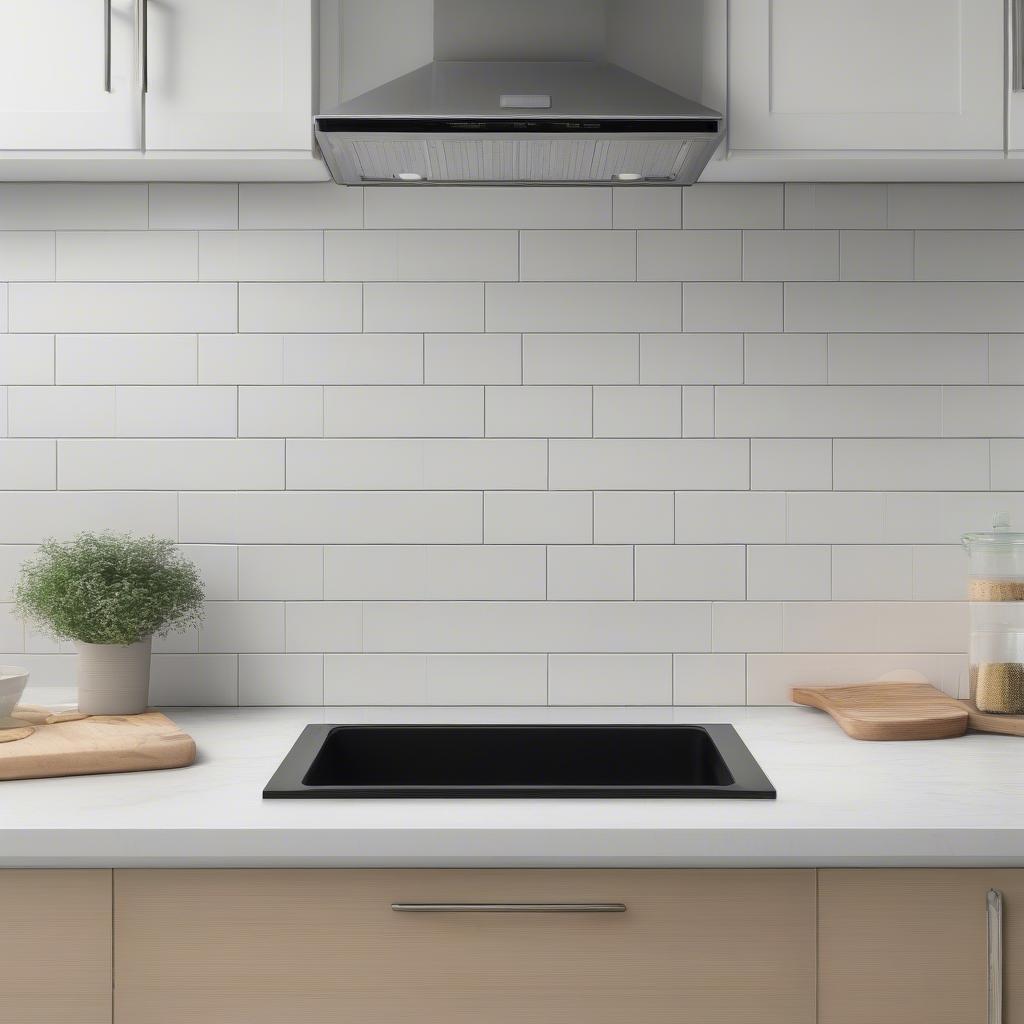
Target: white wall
(519,446)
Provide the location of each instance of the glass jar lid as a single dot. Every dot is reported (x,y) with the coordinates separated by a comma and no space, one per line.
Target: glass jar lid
(1001,537)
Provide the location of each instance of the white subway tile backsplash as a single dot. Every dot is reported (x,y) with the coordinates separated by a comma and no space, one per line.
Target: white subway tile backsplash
(126,256)
(599,627)
(790,464)
(740,626)
(876,255)
(258,255)
(396,496)
(125,359)
(60,411)
(714,205)
(411,306)
(26,256)
(691,358)
(900,464)
(540,412)
(183,205)
(176,411)
(746,306)
(788,572)
(576,256)
(969,255)
(434,411)
(102,307)
(400,572)
(280,412)
(28,464)
(298,307)
(538,517)
(907,359)
(585,572)
(835,206)
(26,359)
(580,358)
(169,464)
(314,205)
(690,572)
(709,679)
(994,205)
(864,572)
(646,207)
(603,679)
(730,517)
(241,359)
(790,255)
(637,411)
(315,626)
(649,464)
(275,679)
(353,359)
(35,206)
(826,412)
(634,517)
(422,255)
(586,306)
(333,518)
(488,207)
(691,255)
(914,306)
(785,359)
(472,359)
(281,572)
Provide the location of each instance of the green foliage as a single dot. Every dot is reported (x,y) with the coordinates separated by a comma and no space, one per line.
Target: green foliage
(108,588)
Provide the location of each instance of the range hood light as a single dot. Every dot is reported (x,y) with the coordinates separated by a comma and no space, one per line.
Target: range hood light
(409,176)
(627,176)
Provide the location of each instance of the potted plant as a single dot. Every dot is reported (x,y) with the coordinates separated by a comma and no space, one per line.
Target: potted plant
(111,594)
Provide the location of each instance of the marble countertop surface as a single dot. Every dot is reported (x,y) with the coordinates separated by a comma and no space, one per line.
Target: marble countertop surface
(840,802)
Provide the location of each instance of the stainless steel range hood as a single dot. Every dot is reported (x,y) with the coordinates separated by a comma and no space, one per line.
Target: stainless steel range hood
(518,122)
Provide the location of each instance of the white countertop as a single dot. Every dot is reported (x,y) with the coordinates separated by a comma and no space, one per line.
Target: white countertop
(840,802)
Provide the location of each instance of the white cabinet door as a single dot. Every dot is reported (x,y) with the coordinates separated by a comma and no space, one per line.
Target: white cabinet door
(53,91)
(866,75)
(229,75)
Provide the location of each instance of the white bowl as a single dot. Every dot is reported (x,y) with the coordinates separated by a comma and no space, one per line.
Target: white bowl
(12,686)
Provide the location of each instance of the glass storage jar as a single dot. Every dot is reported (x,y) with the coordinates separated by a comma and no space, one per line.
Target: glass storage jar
(996,593)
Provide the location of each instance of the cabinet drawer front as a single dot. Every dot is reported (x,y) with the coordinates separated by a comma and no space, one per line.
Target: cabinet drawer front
(908,946)
(258,946)
(55,947)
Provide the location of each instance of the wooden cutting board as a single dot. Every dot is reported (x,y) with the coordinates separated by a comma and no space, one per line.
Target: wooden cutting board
(986,721)
(95,746)
(888,711)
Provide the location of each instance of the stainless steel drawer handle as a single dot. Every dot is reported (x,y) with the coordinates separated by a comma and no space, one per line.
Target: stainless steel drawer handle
(994,908)
(509,908)
(106,45)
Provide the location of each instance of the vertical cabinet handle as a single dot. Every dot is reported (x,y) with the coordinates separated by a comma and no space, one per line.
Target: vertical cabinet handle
(994,908)
(144,42)
(106,45)
(1017,40)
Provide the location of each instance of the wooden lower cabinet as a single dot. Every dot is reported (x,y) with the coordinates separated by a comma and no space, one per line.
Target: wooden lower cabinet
(55,946)
(319,946)
(910,946)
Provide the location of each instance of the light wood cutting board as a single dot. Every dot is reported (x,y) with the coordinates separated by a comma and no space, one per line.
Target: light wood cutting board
(98,745)
(888,711)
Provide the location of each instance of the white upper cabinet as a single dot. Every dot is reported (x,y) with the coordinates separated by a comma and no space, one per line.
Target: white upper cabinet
(55,91)
(866,75)
(229,74)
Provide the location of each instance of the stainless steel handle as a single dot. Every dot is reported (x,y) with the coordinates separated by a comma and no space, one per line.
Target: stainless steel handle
(994,907)
(106,45)
(1017,41)
(509,908)
(144,43)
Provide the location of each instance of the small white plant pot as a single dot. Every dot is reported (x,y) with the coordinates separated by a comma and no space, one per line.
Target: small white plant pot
(113,679)
(12,686)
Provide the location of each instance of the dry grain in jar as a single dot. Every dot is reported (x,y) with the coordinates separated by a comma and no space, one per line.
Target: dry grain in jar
(998,687)
(995,590)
